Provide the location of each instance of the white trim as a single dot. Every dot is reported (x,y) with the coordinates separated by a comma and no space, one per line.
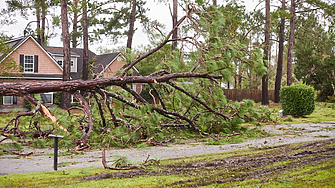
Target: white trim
(52,97)
(62,55)
(3,100)
(24,63)
(72,99)
(29,78)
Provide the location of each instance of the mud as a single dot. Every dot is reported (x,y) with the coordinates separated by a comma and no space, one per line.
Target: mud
(286,134)
(239,168)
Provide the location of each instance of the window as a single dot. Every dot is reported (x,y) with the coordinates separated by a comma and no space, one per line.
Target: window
(47,98)
(7,100)
(60,63)
(28,63)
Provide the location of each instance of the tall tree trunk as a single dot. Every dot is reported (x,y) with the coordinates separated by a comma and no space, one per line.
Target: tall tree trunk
(75,24)
(43,40)
(131,25)
(85,37)
(290,45)
(38,21)
(214,2)
(280,57)
(265,94)
(174,23)
(65,103)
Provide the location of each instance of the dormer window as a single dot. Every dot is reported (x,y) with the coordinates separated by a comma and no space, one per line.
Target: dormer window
(60,63)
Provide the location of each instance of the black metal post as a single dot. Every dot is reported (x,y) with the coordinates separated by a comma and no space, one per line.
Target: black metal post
(55,148)
(55,153)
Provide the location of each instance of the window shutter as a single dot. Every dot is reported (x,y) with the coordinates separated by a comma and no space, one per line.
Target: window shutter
(44,98)
(35,63)
(14,99)
(21,63)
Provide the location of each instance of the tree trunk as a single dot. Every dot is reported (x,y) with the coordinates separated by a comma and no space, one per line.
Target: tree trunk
(214,3)
(65,103)
(85,37)
(38,21)
(131,25)
(75,24)
(43,40)
(174,23)
(265,94)
(19,89)
(280,57)
(290,45)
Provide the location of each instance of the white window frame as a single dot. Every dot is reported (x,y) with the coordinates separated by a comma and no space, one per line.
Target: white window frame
(72,99)
(27,63)
(11,100)
(52,97)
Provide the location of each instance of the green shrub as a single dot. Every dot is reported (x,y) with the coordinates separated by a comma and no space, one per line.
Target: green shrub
(27,104)
(297,100)
(57,97)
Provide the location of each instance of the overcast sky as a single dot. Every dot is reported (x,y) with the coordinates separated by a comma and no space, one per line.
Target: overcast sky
(157,11)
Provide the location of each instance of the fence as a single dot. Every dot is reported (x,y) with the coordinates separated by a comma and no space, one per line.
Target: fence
(253,94)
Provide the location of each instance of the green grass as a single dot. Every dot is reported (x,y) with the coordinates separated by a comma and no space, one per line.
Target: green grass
(323,112)
(322,175)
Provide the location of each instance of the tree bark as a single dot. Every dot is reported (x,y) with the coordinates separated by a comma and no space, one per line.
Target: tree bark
(290,45)
(174,23)
(65,103)
(38,21)
(280,56)
(85,37)
(131,25)
(75,24)
(18,89)
(214,3)
(265,94)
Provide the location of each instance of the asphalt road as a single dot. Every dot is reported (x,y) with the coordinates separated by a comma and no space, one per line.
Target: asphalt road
(39,161)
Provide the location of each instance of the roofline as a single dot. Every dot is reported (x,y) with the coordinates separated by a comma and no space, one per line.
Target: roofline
(62,55)
(14,39)
(21,42)
(124,58)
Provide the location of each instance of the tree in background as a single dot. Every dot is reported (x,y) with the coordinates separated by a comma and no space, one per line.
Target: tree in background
(315,54)
(290,44)
(265,94)
(40,10)
(85,42)
(174,24)
(280,55)
(65,103)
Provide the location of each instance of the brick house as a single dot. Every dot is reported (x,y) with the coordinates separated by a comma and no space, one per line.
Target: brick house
(44,63)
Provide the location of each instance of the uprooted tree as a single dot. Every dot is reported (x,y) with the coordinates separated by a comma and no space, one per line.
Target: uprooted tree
(183,91)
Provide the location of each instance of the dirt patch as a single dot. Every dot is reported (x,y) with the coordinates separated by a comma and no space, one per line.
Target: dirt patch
(239,168)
